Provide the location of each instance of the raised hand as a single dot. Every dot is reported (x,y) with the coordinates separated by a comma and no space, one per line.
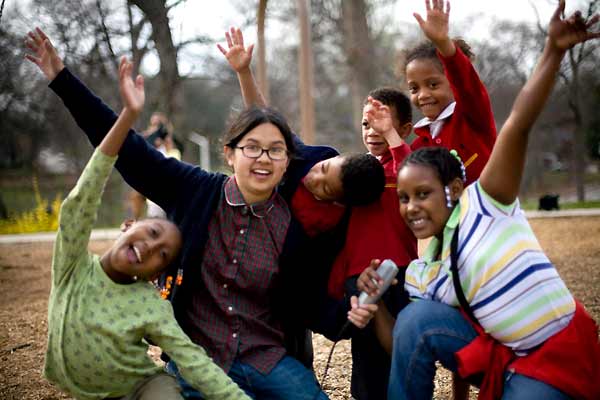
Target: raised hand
(379,116)
(44,54)
(436,25)
(132,92)
(565,33)
(238,56)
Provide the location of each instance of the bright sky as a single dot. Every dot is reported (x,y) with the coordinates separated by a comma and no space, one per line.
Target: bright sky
(193,17)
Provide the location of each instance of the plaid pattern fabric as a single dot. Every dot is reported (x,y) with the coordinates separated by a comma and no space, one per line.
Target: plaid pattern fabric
(231,311)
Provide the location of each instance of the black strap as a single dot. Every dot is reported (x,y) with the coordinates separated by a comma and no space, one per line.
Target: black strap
(456,278)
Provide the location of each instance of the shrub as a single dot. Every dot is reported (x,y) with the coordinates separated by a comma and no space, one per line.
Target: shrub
(43,217)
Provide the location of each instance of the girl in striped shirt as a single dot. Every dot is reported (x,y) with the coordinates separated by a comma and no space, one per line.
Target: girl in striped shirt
(518,325)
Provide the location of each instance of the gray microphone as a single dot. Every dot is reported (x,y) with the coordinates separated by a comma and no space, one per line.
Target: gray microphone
(387,271)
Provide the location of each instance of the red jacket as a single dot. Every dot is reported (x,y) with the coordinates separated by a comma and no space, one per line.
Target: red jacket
(569,360)
(471,129)
(375,231)
(314,215)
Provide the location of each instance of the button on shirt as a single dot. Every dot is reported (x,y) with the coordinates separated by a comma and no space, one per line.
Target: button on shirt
(230,314)
(435,126)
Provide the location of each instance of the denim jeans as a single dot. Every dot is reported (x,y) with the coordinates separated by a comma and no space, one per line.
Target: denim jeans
(428,331)
(288,380)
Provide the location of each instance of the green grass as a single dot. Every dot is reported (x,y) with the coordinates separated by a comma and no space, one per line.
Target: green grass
(532,204)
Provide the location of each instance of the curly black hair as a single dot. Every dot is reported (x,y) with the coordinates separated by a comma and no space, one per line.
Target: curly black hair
(426,50)
(393,97)
(363,179)
(446,166)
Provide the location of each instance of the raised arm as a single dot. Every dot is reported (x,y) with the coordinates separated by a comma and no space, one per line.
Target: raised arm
(435,27)
(379,117)
(239,58)
(472,99)
(502,175)
(133,98)
(143,167)
(78,211)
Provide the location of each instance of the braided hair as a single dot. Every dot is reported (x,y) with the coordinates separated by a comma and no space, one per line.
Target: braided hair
(446,165)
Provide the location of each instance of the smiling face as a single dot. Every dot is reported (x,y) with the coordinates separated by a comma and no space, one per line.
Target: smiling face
(429,88)
(373,141)
(423,200)
(324,180)
(257,177)
(143,250)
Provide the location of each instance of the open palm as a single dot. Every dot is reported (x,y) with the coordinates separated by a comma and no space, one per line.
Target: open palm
(436,25)
(44,54)
(132,92)
(238,56)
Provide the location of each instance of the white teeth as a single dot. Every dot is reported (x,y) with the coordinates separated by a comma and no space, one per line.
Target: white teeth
(137,254)
(416,222)
(261,172)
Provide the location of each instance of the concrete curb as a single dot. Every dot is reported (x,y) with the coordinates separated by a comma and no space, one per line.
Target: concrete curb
(111,234)
(97,234)
(576,212)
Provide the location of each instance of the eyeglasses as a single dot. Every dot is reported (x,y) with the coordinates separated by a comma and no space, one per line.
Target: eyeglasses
(254,151)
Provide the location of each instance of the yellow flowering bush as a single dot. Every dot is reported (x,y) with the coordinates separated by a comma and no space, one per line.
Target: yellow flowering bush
(43,217)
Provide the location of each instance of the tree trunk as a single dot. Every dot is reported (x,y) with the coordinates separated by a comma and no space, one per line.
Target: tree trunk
(171,90)
(305,59)
(263,81)
(359,55)
(579,133)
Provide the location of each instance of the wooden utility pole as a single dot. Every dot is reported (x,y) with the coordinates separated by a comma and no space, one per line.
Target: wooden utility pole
(263,82)
(307,106)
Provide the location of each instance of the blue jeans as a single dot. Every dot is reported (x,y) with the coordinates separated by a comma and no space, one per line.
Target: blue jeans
(289,379)
(428,331)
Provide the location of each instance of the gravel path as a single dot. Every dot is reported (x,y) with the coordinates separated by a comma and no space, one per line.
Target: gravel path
(571,243)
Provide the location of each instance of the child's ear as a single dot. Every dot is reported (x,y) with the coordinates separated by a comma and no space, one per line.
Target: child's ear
(125,225)
(228,153)
(456,188)
(405,130)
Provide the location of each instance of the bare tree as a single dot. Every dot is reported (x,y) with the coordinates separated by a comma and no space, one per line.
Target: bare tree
(578,60)
(171,92)
(358,48)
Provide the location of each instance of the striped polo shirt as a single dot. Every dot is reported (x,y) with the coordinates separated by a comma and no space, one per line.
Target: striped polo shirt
(514,290)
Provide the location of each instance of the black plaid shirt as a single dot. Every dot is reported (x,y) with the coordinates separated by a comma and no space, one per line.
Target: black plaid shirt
(231,313)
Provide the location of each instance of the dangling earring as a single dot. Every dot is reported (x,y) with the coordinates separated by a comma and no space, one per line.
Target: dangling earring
(449,203)
(135,278)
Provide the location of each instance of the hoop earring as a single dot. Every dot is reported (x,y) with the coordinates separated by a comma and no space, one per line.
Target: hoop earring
(449,202)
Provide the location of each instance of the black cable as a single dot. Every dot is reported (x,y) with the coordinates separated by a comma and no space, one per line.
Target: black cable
(339,337)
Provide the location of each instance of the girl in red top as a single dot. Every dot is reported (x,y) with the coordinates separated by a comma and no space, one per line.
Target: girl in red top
(445,87)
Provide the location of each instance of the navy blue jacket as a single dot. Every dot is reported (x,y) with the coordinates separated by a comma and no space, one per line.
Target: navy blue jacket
(189,196)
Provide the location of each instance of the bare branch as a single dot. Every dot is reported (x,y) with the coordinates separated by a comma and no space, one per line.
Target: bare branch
(175,4)
(202,39)
(113,57)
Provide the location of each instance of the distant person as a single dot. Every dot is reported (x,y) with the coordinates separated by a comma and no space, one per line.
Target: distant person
(487,301)
(157,134)
(103,310)
(445,87)
(231,288)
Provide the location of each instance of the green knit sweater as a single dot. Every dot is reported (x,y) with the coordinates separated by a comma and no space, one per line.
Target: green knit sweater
(96,327)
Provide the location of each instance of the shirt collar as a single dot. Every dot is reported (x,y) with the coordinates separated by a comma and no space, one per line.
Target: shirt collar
(234,197)
(451,224)
(448,111)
